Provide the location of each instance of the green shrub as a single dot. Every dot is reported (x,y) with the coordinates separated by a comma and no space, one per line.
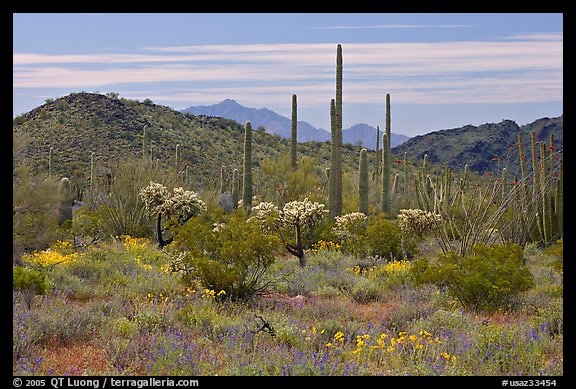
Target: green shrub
(365,291)
(488,279)
(232,256)
(384,239)
(26,279)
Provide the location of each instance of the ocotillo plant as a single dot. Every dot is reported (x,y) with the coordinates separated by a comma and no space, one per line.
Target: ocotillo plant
(294,143)
(363,182)
(247,182)
(385,196)
(559,208)
(235,188)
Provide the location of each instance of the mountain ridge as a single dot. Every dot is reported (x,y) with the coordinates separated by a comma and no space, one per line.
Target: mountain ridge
(359,134)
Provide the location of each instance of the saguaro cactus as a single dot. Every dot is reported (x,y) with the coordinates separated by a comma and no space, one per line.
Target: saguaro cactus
(385,199)
(144,142)
(293,151)
(335,183)
(377,156)
(247,182)
(51,162)
(388,129)
(66,200)
(235,188)
(335,150)
(363,182)
(177,156)
(92,173)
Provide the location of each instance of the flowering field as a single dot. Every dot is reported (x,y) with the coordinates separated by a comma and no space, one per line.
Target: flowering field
(116,309)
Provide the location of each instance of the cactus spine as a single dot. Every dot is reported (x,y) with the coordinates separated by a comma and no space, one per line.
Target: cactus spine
(293,151)
(247,182)
(363,181)
(235,188)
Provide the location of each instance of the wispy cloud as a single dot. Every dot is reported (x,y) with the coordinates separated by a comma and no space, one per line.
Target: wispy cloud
(395,26)
(525,68)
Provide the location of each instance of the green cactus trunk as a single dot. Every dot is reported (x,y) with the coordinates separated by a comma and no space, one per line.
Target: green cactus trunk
(92,173)
(332,187)
(388,129)
(247,182)
(338,171)
(51,162)
(222,180)
(144,142)
(293,150)
(66,201)
(363,181)
(235,188)
(377,157)
(177,157)
(385,196)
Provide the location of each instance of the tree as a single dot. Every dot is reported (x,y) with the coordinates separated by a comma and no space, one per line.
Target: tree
(177,208)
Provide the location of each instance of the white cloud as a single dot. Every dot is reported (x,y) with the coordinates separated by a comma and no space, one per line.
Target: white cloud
(525,68)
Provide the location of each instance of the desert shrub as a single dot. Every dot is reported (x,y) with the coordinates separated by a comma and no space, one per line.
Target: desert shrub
(488,279)
(384,239)
(232,256)
(365,290)
(24,278)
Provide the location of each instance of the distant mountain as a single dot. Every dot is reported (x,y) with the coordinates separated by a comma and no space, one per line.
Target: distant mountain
(488,147)
(364,135)
(359,134)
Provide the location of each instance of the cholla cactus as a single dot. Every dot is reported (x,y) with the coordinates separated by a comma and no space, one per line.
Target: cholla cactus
(417,221)
(267,215)
(350,225)
(179,206)
(302,212)
(295,214)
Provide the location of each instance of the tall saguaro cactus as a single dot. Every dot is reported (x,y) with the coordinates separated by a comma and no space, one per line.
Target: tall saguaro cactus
(247,182)
(388,128)
(144,147)
(293,151)
(377,156)
(385,199)
(92,173)
(235,188)
(363,181)
(336,167)
(332,189)
(51,162)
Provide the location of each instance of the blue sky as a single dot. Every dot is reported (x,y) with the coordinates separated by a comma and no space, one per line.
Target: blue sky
(441,70)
